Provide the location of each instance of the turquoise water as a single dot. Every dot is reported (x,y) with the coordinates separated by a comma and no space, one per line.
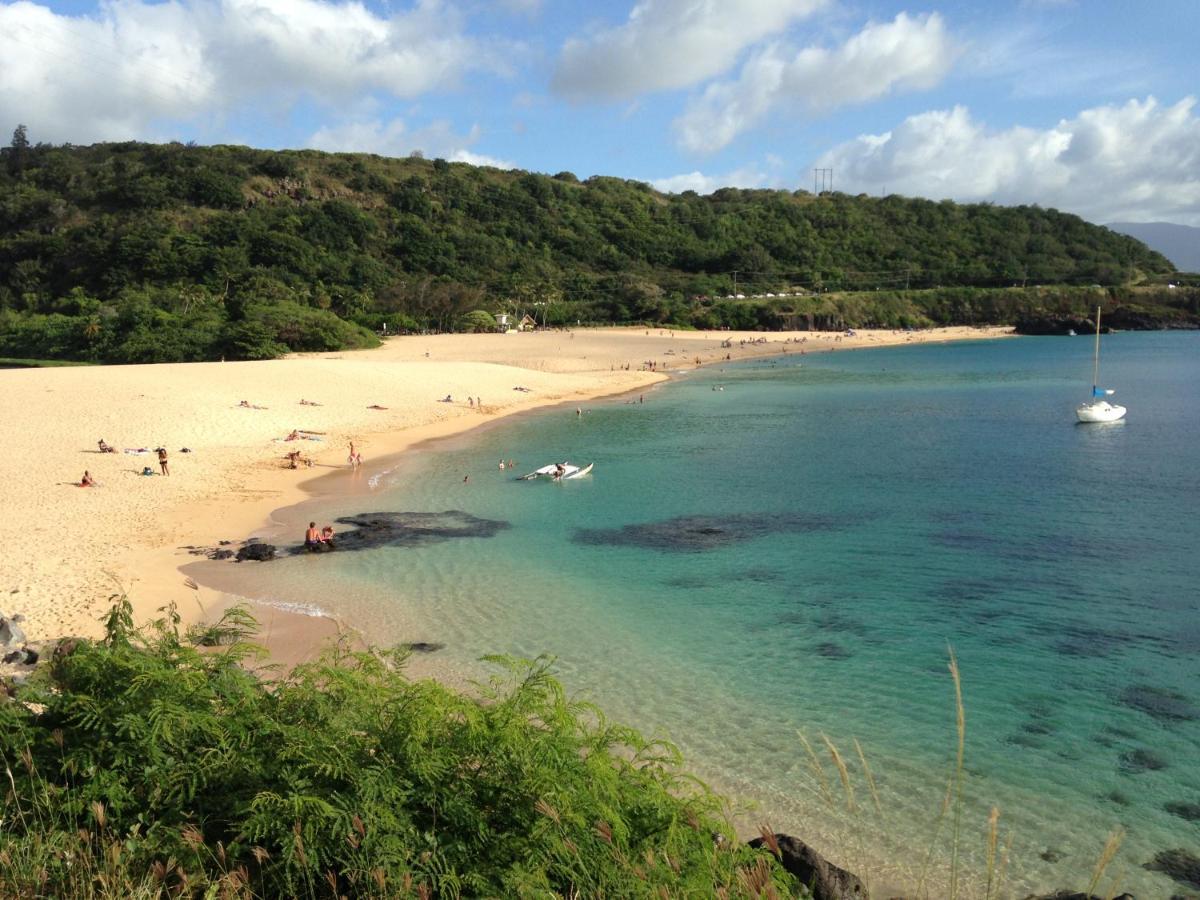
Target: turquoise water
(797,552)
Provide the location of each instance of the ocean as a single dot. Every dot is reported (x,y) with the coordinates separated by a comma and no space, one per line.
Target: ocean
(779,557)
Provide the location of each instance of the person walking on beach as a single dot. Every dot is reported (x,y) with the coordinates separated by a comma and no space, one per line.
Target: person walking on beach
(162,461)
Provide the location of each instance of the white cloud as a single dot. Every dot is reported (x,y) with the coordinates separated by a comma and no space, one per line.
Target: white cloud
(668,44)
(746,177)
(110,74)
(1138,161)
(908,53)
(434,141)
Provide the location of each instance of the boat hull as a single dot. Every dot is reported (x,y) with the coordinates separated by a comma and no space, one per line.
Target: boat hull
(1099,412)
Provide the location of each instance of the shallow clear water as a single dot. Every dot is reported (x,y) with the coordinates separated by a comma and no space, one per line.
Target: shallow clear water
(822,530)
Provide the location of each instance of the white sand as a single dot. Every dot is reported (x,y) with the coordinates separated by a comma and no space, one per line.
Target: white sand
(71,548)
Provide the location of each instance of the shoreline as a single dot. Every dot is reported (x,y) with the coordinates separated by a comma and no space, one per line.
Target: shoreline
(80,547)
(291,636)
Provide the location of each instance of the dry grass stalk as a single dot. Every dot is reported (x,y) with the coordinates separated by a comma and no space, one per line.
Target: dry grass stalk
(768,836)
(843,772)
(961,721)
(1111,846)
(993,839)
(818,770)
(862,757)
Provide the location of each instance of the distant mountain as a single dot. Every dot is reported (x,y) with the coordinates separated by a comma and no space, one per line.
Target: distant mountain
(1178,243)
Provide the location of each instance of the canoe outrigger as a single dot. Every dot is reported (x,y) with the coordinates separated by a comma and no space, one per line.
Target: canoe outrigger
(563,471)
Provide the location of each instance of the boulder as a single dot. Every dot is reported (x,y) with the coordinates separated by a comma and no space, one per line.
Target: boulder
(1180,864)
(258,552)
(825,880)
(10,632)
(423,646)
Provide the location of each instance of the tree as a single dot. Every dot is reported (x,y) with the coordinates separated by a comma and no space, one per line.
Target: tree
(18,153)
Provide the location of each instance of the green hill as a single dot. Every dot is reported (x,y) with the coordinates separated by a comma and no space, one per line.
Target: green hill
(139,252)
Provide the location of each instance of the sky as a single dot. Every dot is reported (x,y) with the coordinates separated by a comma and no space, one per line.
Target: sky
(1087,106)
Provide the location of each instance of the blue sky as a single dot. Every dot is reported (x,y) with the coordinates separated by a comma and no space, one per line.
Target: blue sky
(1085,105)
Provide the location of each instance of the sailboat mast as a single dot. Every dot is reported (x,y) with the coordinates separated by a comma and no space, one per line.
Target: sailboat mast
(1096,355)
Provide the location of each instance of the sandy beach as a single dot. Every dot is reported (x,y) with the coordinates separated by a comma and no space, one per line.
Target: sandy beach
(78,546)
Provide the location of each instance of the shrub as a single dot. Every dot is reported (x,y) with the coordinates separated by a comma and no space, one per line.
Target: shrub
(139,763)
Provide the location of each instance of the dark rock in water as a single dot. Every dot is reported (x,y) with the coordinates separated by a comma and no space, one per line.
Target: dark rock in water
(1161,703)
(1050,855)
(832,651)
(221,554)
(411,529)
(1125,319)
(825,880)
(1134,762)
(1180,864)
(699,534)
(1046,324)
(256,552)
(423,646)
(1183,809)
(1117,797)
(10,632)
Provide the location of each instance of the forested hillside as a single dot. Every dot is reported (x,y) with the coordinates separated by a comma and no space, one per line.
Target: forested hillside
(137,252)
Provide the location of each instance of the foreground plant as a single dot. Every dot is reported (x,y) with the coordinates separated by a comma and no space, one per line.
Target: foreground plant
(140,766)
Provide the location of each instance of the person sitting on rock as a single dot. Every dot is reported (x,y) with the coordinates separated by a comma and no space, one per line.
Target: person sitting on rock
(327,535)
(312,537)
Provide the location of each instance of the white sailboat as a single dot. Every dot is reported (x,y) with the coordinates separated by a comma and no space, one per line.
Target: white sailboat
(1098,409)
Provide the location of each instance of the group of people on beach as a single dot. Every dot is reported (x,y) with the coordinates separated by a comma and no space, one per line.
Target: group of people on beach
(88,480)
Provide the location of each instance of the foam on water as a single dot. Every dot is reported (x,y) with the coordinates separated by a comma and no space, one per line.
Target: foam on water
(794,555)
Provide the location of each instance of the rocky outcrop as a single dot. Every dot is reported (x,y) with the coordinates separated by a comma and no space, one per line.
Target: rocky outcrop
(257,551)
(825,880)
(1120,318)
(11,634)
(1044,324)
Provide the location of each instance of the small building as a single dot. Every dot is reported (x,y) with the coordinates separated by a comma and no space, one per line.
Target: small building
(527,323)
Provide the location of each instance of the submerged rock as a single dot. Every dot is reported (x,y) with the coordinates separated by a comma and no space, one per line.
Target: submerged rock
(830,650)
(411,529)
(423,646)
(825,880)
(1183,809)
(1134,762)
(1162,703)
(1180,864)
(699,534)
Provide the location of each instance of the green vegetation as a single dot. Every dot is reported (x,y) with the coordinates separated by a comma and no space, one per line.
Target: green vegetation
(142,253)
(139,766)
